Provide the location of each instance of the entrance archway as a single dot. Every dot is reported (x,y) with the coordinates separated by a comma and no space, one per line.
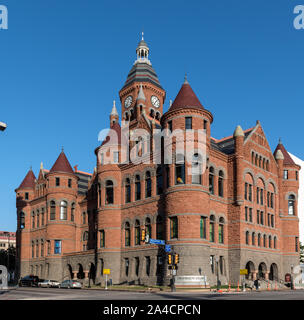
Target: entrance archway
(262,270)
(80,274)
(92,273)
(250,267)
(273,274)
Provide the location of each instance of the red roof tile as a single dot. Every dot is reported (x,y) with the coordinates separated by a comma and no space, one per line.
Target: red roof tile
(28,181)
(62,164)
(287,158)
(186,98)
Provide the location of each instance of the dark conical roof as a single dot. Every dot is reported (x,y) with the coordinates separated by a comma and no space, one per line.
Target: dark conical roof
(28,181)
(287,158)
(62,164)
(186,98)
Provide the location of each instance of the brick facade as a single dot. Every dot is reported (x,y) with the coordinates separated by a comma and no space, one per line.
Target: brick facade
(240,213)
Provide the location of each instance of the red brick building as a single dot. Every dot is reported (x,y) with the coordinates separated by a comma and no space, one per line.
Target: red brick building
(239,213)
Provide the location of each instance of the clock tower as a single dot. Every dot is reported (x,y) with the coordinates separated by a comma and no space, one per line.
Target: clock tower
(142,93)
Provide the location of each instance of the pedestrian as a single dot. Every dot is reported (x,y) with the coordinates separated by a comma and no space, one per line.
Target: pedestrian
(256,284)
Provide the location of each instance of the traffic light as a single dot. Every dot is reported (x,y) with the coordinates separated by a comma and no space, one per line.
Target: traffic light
(169,258)
(143,235)
(176,258)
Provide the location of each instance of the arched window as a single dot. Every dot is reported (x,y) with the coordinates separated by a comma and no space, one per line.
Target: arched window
(73,212)
(148,227)
(179,169)
(53,210)
(211,228)
(264,241)
(148,184)
(269,241)
(221,230)
(109,192)
(42,216)
(85,236)
(247,237)
(33,249)
(259,239)
(63,210)
(291,204)
(221,184)
(196,169)
(22,220)
(137,188)
(252,157)
(128,190)
(33,220)
(253,239)
(256,159)
(159,228)
(137,232)
(127,234)
(211,180)
(159,180)
(38,220)
(173,227)
(42,248)
(275,242)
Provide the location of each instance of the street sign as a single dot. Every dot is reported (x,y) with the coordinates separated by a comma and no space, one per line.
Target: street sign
(154,241)
(243,272)
(106,271)
(167,248)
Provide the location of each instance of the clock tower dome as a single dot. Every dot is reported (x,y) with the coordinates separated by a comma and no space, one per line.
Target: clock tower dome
(142,93)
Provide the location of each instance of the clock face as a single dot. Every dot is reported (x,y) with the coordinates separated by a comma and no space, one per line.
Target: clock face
(128,101)
(155,101)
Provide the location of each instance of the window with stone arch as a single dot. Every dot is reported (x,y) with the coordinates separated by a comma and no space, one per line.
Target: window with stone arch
(269,242)
(211,180)
(63,210)
(247,237)
(137,187)
(52,210)
(248,187)
(148,227)
(271,196)
(196,169)
(22,220)
(291,204)
(221,230)
(180,169)
(109,192)
(127,190)
(260,194)
(148,184)
(73,212)
(259,240)
(275,242)
(127,234)
(253,238)
(211,228)
(137,232)
(221,184)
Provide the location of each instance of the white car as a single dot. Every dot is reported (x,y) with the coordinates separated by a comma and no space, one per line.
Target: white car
(49,284)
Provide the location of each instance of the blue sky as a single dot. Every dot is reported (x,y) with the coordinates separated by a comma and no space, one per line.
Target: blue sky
(63,63)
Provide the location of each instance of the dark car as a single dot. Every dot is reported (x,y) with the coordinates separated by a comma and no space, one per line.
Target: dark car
(29,281)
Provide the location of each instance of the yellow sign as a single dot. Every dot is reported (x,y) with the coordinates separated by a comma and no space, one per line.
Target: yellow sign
(106,271)
(243,272)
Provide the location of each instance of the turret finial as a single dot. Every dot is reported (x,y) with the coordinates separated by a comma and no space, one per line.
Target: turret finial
(186,81)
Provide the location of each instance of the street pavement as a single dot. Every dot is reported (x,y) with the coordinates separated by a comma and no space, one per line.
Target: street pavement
(28,293)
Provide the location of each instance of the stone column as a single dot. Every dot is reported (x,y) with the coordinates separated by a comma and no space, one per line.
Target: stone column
(75,275)
(266,275)
(254,275)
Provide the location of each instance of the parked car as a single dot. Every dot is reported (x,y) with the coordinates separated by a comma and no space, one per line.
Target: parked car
(70,284)
(49,284)
(29,281)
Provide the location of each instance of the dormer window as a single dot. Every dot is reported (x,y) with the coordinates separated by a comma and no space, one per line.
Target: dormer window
(26,196)
(57,182)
